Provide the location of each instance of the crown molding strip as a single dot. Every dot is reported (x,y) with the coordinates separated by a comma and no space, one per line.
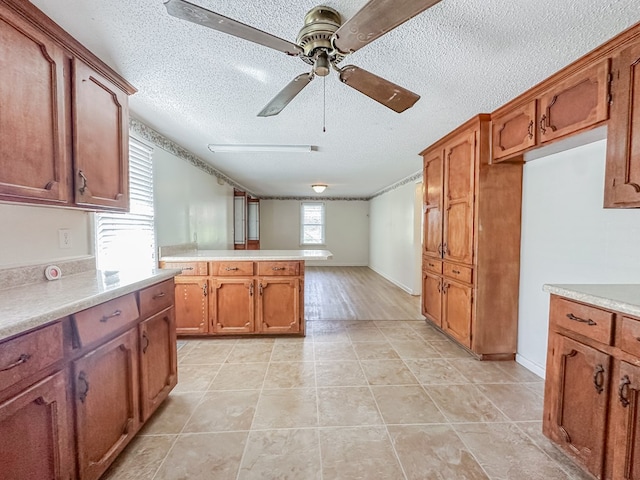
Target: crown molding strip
(170,146)
(404,181)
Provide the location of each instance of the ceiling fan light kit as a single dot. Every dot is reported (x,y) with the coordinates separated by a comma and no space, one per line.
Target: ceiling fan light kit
(323,42)
(253,148)
(319,187)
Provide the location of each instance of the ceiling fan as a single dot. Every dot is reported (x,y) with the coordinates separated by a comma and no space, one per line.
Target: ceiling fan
(323,42)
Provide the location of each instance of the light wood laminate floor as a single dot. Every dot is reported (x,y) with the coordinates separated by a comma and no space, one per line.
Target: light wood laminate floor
(372,392)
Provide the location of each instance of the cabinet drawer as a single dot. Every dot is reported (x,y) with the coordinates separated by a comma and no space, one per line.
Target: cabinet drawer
(155,298)
(431,265)
(30,353)
(188,268)
(99,322)
(583,319)
(229,269)
(460,273)
(629,340)
(278,268)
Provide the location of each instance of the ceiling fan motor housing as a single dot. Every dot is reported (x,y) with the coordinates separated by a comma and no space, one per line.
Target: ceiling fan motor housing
(320,23)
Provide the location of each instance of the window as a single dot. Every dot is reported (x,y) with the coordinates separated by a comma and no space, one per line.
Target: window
(128,239)
(312,223)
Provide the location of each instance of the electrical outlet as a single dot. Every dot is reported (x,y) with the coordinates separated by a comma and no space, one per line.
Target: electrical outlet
(64,238)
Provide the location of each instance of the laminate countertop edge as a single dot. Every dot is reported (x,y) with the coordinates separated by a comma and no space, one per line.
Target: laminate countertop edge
(623,298)
(247,255)
(28,307)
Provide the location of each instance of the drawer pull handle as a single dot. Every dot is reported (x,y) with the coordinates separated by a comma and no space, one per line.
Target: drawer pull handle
(187,268)
(83,389)
(542,124)
(598,378)
(251,290)
(21,359)
(117,313)
(275,269)
(204,290)
(623,391)
(159,295)
(83,185)
(146,342)
(261,289)
(231,269)
(588,321)
(457,272)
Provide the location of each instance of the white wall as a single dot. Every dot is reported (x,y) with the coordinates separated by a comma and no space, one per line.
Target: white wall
(567,237)
(346,230)
(395,236)
(190,205)
(30,234)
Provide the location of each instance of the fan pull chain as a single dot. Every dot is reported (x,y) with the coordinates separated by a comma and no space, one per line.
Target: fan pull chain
(324,104)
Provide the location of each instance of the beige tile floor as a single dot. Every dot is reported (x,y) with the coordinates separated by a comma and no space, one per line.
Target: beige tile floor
(354,399)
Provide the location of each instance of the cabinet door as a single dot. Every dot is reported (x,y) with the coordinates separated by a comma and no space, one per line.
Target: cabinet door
(514,131)
(192,305)
(101,140)
(432,241)
(456,316)
(576,103)
(460,159)
(36,424)
(622,182)
(279,305)
(106,403)
(432,297)
(578,415)
(33,153)
(158,360)
(626,417)
(232,305)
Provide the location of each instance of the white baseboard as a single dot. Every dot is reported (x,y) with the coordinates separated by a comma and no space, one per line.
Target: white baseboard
(329,263)
(529,365)
(395,282)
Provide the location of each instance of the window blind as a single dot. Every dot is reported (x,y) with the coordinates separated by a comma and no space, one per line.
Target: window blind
(125,240)
(312,220)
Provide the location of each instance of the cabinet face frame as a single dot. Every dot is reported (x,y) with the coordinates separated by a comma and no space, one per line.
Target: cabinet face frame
(51,121)
(622,177)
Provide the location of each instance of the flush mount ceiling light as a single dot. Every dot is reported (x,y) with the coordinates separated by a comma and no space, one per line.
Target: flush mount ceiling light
(237,148)
(319,188)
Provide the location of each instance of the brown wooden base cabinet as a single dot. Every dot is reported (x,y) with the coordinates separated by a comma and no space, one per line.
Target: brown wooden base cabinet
(74,393)
(239,297)
(592,388)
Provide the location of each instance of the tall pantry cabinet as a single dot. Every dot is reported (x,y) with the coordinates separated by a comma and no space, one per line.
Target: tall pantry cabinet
(471,241)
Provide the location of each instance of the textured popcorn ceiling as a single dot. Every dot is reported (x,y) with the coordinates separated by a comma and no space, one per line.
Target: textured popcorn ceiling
(197,86)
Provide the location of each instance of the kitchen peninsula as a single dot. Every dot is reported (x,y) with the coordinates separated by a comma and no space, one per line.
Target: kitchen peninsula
(239,292)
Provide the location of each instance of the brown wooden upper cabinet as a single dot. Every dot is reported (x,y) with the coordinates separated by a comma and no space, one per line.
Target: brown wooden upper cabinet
(622,178)
(44,75)
(566,106)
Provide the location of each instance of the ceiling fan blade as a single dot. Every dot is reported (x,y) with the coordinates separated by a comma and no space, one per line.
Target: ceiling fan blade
(383,91)
(375,19)
(288,93)
(196,14)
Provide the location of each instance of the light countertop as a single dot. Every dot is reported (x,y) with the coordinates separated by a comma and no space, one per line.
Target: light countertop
(30,306)
(254,255)
(623,298)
